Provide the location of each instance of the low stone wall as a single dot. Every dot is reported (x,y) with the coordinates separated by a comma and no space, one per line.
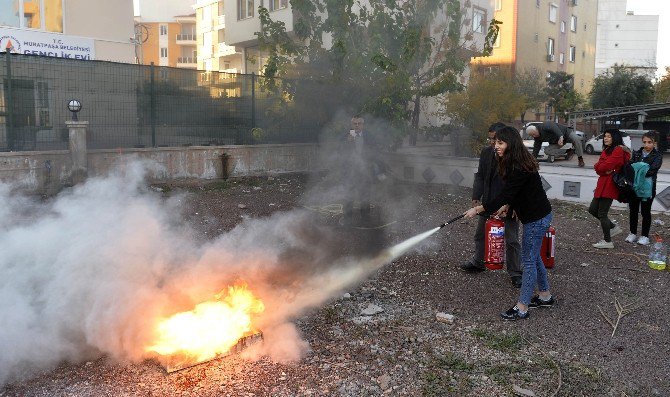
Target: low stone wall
(562,182)
(47,172)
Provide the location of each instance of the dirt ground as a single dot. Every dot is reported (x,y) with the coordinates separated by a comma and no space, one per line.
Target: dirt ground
(404,351)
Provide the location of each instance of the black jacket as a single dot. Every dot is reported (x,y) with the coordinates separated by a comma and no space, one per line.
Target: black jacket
(655,160)
(550,132)
(487,184)
(525,195)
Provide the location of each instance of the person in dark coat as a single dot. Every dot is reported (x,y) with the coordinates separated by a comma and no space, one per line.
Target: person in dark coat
(486,186)
(524,194)
(557,135)
(650,155)
(615,154)
(363,169)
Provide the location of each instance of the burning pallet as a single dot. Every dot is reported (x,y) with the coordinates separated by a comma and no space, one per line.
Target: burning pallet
(179,362)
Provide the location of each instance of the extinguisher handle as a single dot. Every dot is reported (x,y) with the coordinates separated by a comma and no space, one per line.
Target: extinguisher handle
(452,220)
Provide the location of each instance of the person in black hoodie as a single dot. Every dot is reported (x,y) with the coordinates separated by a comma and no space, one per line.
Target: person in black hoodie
(650,155)
(486,186)
(522,193)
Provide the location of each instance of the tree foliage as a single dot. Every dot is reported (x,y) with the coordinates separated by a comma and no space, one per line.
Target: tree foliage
(662,87)
(384,56)
(620,86)
(530,85)
(561,94)
(488,98)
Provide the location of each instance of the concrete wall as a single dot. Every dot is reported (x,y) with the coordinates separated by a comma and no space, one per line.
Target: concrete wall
(567,183)
(47,172)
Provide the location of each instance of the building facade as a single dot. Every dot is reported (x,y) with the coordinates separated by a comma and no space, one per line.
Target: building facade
(548,35)
(78,29)
(167,43)
(214,53)
(625,39)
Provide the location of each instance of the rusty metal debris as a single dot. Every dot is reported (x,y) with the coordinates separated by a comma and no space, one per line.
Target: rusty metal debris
(179,362)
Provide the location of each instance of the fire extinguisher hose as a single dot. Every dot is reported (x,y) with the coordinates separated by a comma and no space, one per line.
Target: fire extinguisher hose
(452,220)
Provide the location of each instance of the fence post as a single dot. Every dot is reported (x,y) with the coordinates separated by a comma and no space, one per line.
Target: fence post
(152,111)
(9,106)
(253,100)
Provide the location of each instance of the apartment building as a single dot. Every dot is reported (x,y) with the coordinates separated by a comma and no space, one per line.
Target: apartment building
(165,32)
(77,29)
(214,53)
(549,35)
(625,38)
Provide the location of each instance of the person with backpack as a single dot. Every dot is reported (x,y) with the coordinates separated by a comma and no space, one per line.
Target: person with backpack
(614,156)
(649,155)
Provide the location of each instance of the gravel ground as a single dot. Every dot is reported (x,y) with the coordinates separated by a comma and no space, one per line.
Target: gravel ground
(403,350)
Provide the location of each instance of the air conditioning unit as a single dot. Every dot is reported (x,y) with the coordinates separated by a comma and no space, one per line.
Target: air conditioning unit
(573,2)
(550,58)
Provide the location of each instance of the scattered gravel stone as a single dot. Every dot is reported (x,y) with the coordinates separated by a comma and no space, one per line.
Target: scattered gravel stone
(520,391)
(445,318)
(371,310)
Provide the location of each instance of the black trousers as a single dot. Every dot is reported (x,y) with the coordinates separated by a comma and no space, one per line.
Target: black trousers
(635,205)
(599,208)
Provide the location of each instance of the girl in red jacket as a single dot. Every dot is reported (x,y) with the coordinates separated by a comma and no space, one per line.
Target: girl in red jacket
(615,154)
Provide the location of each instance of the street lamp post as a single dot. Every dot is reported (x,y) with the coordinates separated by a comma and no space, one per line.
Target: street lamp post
(74,106)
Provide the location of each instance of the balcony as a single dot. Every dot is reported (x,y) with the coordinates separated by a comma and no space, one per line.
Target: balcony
(225,50)
(187,62)
(186,39)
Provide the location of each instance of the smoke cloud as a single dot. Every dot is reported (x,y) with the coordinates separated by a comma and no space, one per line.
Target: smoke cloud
(89,272)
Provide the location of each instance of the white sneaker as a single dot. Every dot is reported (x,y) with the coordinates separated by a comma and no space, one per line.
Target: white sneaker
(643,240)
(631,238)
(604,244)
(616,230)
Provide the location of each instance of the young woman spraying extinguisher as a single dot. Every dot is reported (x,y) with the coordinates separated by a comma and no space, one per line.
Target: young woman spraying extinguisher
(650,155)
(522,193)
(615,154)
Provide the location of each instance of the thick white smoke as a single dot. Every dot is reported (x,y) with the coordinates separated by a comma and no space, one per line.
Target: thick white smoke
(88,273)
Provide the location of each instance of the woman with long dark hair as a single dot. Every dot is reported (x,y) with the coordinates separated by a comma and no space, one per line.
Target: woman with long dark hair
(650,155)
(615,154)
(522,193)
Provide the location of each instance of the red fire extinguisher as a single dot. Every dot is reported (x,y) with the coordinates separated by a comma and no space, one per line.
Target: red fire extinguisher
(494,243)
(548,250)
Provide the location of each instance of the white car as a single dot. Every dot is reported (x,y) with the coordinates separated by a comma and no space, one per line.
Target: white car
(595,144)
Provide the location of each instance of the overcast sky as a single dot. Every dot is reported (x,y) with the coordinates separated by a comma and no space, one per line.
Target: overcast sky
(662,9)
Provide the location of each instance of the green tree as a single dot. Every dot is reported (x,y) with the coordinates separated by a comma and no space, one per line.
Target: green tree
(530,86)
(489,97)
(620,86)
(662,87)
(561,94)
(385,57)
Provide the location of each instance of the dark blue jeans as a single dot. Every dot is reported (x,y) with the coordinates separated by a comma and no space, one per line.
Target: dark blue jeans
(534,272)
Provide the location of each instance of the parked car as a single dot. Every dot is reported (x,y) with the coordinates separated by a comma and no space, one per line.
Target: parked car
(595,144)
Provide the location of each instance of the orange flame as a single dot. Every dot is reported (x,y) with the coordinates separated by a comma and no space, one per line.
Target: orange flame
(210,329)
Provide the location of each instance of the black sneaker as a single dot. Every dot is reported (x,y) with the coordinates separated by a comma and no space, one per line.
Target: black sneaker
(516,281)
(472,267)
(536,302)
(514,314)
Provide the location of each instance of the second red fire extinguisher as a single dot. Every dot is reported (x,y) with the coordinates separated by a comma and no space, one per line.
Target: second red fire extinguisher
(548,250)
(494,243)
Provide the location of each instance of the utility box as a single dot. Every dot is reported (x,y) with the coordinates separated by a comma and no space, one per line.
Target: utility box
(635,137)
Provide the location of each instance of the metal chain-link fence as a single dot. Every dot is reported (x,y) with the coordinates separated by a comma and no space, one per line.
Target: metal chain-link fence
(130,105)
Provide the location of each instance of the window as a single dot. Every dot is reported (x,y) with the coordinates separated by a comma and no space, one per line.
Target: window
(572,54)
(277,4)
(496,44)
(32,14)
(573,23)
(163,30)
(553,11)
(537,3)
(562,26)
(498,5)
(245,9)
(537,37)
(163,52)
(561,58)
(550,46)
(478,20)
